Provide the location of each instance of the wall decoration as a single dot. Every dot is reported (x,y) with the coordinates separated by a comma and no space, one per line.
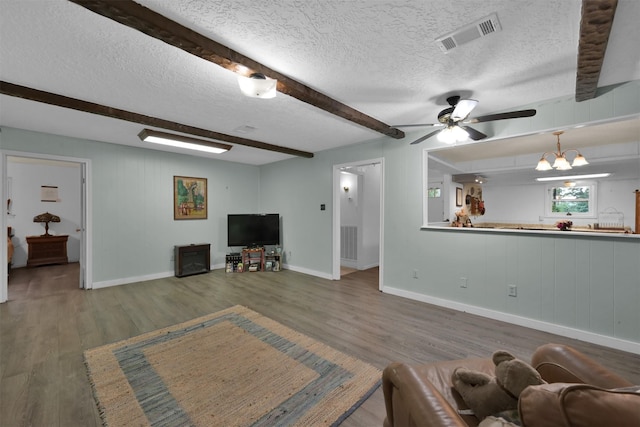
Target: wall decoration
(458,196)
(189,198)
(48,193)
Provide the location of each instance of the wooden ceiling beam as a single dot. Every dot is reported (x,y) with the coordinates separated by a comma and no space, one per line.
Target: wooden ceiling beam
(595,27)
(103,110)
(145,20)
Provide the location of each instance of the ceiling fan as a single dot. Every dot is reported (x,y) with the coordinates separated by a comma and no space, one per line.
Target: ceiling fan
(456,115)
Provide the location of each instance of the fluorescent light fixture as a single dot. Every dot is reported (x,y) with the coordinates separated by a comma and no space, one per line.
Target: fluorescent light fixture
(257,85)
(572,177)
(162,138)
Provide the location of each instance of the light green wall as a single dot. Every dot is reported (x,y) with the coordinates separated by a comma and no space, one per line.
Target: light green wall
(132,188)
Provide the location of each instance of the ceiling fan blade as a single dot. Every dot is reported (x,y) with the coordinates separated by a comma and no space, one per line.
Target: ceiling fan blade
(503,116)
(427,136)
(462,109)
(474,134)
(416,125)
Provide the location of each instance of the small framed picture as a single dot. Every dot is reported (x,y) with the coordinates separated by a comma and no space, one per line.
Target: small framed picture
(458,196)
(48,193)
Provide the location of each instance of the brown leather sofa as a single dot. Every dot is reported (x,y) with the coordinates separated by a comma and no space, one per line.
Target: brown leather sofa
(580,392)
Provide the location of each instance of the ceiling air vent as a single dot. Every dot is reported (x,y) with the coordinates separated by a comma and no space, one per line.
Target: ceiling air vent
(468,33)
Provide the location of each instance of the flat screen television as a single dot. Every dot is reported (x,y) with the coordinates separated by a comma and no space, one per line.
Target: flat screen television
(251,230)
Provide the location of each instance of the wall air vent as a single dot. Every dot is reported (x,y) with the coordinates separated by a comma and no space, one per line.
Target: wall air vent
(468,33)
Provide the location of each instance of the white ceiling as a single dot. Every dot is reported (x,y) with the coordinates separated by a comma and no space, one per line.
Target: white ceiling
(377,56)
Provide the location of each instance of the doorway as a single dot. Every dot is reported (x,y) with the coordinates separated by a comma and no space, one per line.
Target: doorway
(358,200)
(32,171)
(436,194)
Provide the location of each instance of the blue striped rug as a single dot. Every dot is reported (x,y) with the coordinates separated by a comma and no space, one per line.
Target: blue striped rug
(231,368)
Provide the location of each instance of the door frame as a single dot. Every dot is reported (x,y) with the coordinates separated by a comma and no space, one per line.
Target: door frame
(336,216)
(86,265)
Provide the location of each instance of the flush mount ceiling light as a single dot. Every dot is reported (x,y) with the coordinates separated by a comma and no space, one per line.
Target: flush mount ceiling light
(560,163)
(257,85)
(156,137)
(573,177)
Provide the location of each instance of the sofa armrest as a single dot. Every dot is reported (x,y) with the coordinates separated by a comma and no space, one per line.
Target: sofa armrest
(578,405)
(411,401)
(560,363)
(422,395)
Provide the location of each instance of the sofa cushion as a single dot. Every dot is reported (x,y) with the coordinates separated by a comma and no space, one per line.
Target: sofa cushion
(578,405)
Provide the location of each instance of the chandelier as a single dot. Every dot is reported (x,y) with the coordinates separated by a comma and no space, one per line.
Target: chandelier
(560,163)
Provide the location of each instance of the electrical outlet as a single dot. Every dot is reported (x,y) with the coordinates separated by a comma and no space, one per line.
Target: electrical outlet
(463,282)
(513,291)
(415,274)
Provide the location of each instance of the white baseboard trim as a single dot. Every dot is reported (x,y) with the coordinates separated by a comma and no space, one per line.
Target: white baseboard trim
(354,264)
(607,341)
(368,266)
(128,280)
(350,263)
(307,271)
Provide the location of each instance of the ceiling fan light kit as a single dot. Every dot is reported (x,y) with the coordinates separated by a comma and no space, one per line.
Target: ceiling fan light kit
(560,161)
(257,85)
(453,134)
(163,138)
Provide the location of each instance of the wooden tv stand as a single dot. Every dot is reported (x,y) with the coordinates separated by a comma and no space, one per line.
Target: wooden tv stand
(45,250)
(253,259)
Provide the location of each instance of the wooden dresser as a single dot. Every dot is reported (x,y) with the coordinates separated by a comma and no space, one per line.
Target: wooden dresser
(45,250)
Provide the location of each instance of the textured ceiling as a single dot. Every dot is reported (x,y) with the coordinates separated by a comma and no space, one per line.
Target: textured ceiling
(378,57)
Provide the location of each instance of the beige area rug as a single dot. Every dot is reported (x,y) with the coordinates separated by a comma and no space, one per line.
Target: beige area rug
(232,368)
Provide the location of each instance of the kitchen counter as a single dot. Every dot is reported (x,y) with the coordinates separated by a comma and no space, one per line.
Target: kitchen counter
(551,227)
(546,229)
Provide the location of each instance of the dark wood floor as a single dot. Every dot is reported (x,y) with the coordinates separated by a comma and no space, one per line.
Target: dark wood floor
(48,323)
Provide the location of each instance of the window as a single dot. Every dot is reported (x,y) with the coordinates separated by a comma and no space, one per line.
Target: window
(575,201)
(434,192)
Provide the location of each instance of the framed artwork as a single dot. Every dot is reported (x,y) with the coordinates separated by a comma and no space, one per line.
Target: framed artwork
(189,198)
(48,193)
(458,196)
